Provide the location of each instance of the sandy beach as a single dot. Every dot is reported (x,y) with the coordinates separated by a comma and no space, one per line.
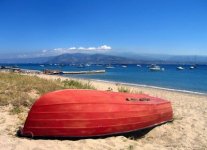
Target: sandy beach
(187,131)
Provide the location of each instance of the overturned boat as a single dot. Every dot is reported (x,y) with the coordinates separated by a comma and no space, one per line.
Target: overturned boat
(89,113)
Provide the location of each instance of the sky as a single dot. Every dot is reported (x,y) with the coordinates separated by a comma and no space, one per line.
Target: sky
(51,27)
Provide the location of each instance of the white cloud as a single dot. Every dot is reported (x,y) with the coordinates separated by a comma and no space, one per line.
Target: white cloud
(81,48)
(72,48)
(44,51)
(57,51)
(104,47)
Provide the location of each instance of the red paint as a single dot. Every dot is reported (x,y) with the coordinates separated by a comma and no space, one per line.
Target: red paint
(84,113)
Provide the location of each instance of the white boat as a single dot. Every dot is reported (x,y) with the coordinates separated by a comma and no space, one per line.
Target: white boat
(42,65)
(139,66)
(123,66)
(80,66)
(109,67)
(156,68)
(192,67)
(180,68)
(87,65)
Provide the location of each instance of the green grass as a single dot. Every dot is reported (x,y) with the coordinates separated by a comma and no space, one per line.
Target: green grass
(124,89)
(21,91)
(128,90)
(73,84)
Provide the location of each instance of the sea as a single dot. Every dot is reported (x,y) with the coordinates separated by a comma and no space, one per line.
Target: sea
(187,80)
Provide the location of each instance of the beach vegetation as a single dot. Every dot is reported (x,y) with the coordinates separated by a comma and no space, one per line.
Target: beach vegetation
(20,91)
(124,89)
(128,90)
(16,110)
(137,92)
(73,84)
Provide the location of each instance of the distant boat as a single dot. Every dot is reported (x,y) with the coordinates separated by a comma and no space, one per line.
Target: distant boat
(156,68)
(42,65)
(109,67)
(123,66)
(87,65)
(193,67)
(180,68)
(139,66)
(81,66)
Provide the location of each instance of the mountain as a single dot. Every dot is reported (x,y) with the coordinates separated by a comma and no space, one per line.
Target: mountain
(167,59)
(35,60)
(80,58)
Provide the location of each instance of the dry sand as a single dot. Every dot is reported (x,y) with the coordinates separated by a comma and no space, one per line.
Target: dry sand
(187,131)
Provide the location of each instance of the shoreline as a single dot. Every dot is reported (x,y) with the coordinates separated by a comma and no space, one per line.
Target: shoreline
(37,72)
(133,85)
(104,85)
(143,85)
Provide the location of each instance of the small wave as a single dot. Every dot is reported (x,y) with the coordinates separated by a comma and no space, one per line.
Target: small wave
(150,86)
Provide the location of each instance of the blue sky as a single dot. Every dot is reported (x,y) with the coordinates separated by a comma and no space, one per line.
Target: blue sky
(113,26)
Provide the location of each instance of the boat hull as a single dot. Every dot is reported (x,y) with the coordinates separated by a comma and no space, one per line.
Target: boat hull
(87,113)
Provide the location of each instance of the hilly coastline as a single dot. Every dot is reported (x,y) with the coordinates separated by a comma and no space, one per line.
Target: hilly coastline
(84,58)
(80,58)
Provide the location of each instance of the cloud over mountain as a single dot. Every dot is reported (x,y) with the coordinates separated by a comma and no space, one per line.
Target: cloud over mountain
(70,50)
(57,51)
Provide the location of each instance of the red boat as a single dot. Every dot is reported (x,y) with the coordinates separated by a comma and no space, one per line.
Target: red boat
(88,113)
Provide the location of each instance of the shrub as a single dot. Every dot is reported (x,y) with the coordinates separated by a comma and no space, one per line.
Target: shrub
(17,89)
(124,89)
(73,84)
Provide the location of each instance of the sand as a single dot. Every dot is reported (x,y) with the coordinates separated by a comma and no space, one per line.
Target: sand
(187,131)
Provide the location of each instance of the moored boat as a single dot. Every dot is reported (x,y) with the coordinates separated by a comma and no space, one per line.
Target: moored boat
(156,68)
(87,65)
(109,67)
(88,113)
(124,66)
(193,66)
(180,68)
(80,66)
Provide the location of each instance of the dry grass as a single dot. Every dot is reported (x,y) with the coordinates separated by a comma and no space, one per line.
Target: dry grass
(21,91)
(124,89)
(73,84)
(128,90)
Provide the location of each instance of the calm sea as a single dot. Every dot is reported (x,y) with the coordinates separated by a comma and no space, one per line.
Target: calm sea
(194,80)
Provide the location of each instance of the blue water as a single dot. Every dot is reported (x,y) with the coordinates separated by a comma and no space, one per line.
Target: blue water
(194,80)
